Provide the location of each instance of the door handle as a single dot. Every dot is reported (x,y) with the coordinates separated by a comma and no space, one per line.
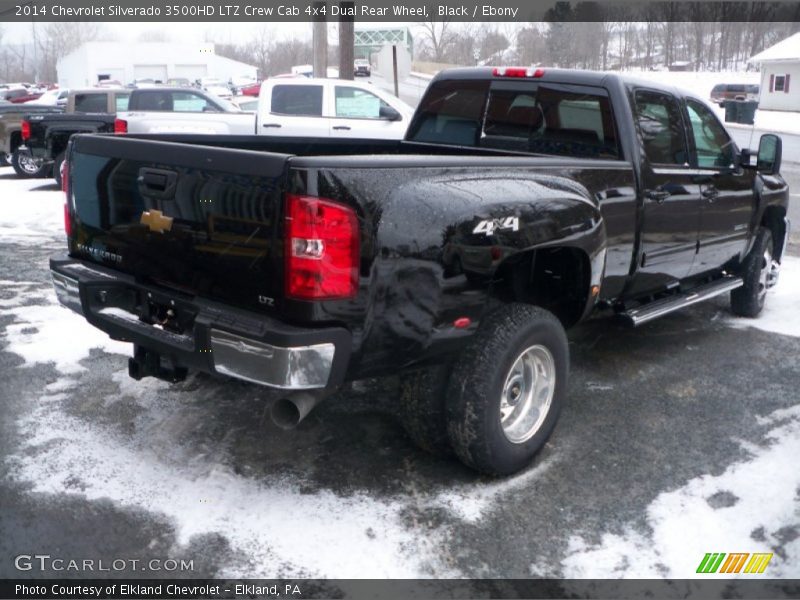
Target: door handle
(341,127)
(710,193)
(659,195)
(275,125)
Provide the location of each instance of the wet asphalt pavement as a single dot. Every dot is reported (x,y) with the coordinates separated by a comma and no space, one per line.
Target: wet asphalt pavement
(93,465)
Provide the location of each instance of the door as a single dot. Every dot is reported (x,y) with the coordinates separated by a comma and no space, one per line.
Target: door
(191,72)
(357,113)
(671,202)
(727,201)
(293,110)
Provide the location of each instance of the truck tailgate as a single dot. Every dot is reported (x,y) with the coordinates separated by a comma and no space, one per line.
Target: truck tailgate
(193,218)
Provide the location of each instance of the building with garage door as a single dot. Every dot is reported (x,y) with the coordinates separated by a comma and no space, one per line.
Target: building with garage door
(780,75)
(160,61)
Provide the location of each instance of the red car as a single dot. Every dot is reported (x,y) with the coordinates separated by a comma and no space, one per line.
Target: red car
(250,90)
(18,95)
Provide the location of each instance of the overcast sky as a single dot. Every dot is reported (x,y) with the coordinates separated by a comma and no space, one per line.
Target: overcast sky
(15,33)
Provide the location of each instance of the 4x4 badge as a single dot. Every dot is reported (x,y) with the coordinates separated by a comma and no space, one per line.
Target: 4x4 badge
(156,221)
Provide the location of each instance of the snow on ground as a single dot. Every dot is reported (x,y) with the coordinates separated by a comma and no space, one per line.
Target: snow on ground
(685,524)
(27,216)
(781,312)
(353,537)
(53,334)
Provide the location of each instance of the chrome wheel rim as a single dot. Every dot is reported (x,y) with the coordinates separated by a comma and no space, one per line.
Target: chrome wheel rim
(27,164)
(527,394)
(768,276)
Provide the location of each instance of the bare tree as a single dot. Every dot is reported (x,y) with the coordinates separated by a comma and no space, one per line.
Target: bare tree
(59,39)
(438,35)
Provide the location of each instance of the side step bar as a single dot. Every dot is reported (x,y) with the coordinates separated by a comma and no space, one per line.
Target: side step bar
(658,308)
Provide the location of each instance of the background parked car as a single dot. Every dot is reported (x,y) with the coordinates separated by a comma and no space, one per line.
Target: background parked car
(179,82)
(217,87)
(19,95)
(291,107)
(236,84)
(45,136)
(11,116)
(57,97)
(251,90)
(246,103)
(734,91)
(361,66)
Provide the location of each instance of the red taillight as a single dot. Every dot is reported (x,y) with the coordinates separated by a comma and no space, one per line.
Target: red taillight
(64,176)
(321,252)
(65,187)
(67,220)
(26,130)
(517,72)
(120,126)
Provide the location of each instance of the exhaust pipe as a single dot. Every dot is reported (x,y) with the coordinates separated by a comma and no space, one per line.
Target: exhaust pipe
(287,413)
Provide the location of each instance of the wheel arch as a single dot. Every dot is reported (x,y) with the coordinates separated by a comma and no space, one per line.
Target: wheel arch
(563,279)
(774,219)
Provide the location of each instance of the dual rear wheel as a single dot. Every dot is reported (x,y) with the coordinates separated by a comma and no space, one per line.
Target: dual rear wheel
(496,406)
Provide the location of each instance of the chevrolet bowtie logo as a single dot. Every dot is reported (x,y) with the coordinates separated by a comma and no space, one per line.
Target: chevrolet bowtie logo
(156,221)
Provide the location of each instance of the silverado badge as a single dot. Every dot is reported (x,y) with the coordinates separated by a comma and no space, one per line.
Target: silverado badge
(156,221)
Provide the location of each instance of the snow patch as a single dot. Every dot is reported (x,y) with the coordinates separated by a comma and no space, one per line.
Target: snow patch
(782,309)
(54,334)
(759,516)
(275,521)
(28,216)
(473,501)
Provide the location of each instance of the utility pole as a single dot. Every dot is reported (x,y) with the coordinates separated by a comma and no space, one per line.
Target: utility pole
(346,39)
(320,39)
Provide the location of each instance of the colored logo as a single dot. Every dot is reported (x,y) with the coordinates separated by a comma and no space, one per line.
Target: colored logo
(156,221)
(741,562)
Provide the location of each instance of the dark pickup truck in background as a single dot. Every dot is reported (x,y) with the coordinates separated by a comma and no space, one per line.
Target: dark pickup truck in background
(11,117)
(94,111)
(45,135)
(521,201)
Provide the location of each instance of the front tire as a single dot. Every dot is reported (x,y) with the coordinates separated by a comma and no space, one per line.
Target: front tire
(25,167)
(759,272)
(507,389)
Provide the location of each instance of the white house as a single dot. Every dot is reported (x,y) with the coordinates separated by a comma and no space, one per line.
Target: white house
(780,75)
(160,61)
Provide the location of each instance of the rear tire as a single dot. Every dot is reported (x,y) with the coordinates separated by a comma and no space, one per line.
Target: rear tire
(57,168)
(25,167)
(507,389)
(422,406)
(759,274)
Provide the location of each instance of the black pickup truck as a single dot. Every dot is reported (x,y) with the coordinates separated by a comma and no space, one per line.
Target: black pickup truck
(45,136)
(520,201)
(94,111)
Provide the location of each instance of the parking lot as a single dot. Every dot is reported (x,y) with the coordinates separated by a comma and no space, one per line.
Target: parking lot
(679,438)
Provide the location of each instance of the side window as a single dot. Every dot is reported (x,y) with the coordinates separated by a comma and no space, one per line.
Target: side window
(661,128)
(356,103)
(121,101)
(713,145)
(550,119)
(90,103)
(450,113)
(189,102)
(297,100)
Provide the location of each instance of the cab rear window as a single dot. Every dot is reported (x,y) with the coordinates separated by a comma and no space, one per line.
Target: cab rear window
(538,118)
